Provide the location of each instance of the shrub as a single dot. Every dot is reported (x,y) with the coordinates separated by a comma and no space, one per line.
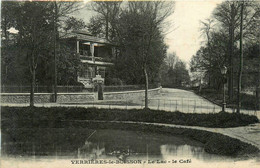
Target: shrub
(63,113)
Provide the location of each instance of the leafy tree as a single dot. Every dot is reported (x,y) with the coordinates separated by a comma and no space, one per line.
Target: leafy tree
(34,23)
(175,73)
(68,66)
(72,24)
(7,18)
(31,51)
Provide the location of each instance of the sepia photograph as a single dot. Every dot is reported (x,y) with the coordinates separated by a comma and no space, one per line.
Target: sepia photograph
(130,83)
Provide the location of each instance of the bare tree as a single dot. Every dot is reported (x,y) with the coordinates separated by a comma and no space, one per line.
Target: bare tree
(147,19)
(107,14)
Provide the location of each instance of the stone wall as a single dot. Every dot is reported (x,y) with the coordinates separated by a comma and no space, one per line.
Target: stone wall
(130,95)
(25,97)
(75,97)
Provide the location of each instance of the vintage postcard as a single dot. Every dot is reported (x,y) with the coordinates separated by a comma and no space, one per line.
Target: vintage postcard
(132,83)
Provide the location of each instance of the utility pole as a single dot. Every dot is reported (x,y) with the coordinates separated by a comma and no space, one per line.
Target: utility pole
(241,59)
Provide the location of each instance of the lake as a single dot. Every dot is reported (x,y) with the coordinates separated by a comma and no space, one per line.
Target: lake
(106,146)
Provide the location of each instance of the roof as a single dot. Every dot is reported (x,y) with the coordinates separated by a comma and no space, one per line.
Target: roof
(87,37)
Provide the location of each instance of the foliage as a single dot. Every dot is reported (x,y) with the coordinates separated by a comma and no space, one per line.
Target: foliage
(68,66)
(248,102)
(221,119)
(221,47)
(36,33)
(73,23)
(174,72)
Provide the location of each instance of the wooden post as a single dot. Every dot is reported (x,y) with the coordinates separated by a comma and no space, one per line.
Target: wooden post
(77,46)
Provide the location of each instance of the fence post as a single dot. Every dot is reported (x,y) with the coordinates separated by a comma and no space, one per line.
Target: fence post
(158,104)
(201,106)
(170,105)
(164,104)
(208,107)
(176,107)
(182,103)
(188,106)
(194,110)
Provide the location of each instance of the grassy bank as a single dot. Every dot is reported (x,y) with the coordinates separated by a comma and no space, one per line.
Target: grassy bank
(55,114)
(247,101)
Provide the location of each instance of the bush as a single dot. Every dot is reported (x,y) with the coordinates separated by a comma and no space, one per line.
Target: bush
(221,119)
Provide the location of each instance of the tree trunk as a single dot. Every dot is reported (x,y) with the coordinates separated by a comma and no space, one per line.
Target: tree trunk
(257,87)
(257,96)
(107,18)
(231,54)
(55,31)
(32,88)
(241,61)
(146,88)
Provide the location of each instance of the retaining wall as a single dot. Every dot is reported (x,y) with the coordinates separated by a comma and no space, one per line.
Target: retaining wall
(75,97)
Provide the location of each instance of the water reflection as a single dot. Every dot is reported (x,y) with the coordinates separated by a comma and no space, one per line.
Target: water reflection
(100,144)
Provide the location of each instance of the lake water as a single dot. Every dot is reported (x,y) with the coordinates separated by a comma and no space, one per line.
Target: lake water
(110,147)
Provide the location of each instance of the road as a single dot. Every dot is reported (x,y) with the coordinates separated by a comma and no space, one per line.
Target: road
(187,102)
(182,100)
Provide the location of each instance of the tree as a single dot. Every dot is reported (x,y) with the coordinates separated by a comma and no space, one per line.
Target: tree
(72,24)
(105,22)
(7,18)
(240,59)
(210,58)
(206,29)
(141,38)
(37,41)
(34,24)
(222,41)
(60,11)
(228,16)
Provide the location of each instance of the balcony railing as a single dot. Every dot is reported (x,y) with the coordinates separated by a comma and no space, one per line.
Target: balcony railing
(84,57)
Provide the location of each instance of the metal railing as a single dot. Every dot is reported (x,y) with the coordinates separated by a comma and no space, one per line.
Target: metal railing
(171,105)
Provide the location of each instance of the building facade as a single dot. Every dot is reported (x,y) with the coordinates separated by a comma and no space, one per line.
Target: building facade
(96,55)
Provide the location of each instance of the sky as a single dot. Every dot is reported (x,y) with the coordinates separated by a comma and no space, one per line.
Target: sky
(186,38)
